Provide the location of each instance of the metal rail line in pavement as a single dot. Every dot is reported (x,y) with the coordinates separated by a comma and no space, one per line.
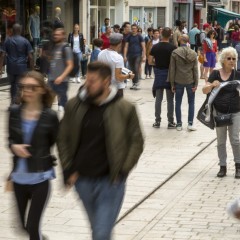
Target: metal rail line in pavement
(163,183)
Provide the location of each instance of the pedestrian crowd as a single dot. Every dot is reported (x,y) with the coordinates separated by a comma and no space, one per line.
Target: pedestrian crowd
(99,138)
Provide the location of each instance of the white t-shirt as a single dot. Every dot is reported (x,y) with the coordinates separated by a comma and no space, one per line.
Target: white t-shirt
(155,41)
(114,60)
(76,47)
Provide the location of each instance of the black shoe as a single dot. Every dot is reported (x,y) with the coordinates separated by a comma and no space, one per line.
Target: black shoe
(156,125)
(237,172)
(171,125)
(222,172)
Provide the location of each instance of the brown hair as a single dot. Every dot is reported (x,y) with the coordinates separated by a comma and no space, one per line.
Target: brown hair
(48,96)
(103,69)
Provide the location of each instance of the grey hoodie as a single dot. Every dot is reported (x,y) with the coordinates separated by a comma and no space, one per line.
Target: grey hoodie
(183,67)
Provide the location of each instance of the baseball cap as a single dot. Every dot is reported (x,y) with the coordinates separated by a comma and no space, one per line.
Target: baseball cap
(115,38)
(206,25)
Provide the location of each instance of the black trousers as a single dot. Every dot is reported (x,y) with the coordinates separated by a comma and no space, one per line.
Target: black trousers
(37,196)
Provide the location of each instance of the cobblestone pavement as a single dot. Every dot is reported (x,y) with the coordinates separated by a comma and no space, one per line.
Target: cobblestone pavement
(189,206)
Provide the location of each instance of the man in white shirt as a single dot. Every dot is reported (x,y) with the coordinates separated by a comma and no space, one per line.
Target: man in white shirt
(112,57)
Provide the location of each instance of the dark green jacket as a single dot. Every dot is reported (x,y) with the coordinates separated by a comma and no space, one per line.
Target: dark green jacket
(124,139)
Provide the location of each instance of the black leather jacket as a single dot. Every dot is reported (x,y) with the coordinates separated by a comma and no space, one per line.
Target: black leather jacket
(43,138)
(81,41)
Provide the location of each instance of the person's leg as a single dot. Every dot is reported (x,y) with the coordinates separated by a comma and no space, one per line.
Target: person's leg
(233,131)
(79,59)
(191,103)
(131,66)
(85,187)
(146,69)
(170,105)
(158,104)
(22,196)
(221,145)
(62,92)
(137,62)
(179,90)
(84,71)
(201,71)
(108,201)
(150,67)
(205,73)
(39,198)
(13,87)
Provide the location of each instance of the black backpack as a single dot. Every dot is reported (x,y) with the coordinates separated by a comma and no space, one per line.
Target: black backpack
(75,62)
(198,39)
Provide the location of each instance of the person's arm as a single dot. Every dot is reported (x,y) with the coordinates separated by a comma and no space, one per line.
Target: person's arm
(205,50)
(125,51)
(195,74)
(212,83)
(29,28)
(171,73)
(151,60)
(121,77)
(2,56)
(31,60)
(143,51)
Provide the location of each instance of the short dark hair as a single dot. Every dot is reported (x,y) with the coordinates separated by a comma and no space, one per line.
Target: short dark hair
(103,69)
(150,29)
(155,30)
(106,19)
(166,32)
(210,33)
(134,25)
(98,42)
(125,23)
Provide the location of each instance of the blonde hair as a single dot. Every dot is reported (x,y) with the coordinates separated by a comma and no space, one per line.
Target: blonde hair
(226,52)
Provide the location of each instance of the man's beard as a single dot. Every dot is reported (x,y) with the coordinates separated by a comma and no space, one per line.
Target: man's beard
(91,98)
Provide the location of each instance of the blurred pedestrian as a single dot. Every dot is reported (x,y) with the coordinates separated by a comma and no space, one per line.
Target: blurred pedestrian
(97,44)
(192,35)
(99,143)
(177,32)
(84,62)
(159,56)
(33,129)
(18,52)
(226,102)
(105,37)
(75,39)
(116,28)
(61,64)
(111,57)
(135,54)
(105,26)
(147,39)
(220,36)
(184,63)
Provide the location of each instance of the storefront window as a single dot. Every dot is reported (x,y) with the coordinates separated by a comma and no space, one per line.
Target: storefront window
(135,15)
(148,19)
(236,7)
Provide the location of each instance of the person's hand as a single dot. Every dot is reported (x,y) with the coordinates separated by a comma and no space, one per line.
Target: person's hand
(131,75)
(215,83)
(72,179)
(58,80)
(173,89)
(205,60)
(143,58)
(20,150)
(194,89)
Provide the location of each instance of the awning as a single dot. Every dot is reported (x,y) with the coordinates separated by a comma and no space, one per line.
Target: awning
(223,16)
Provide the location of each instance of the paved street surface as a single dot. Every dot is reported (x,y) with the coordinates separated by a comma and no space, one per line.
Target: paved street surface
(190,205)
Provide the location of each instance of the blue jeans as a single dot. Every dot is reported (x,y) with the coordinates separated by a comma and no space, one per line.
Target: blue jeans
(134,63)
(61,91)
(79,59)
(102,201)
(179,88)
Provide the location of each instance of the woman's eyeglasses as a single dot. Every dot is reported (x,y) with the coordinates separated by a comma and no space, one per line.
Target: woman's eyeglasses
(28,87)
(230,58)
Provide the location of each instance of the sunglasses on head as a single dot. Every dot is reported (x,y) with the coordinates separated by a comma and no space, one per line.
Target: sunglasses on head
(230,58)
(29,87)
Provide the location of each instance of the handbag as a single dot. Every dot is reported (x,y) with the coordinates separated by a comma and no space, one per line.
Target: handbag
(223,120)
(201,116)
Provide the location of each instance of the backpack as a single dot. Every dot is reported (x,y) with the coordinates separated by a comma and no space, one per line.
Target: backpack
(198,39)
(75,62)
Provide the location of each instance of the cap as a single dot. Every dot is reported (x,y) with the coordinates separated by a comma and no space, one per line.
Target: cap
(115,38)
(206,25)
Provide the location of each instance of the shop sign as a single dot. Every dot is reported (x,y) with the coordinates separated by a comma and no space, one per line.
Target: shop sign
(182,1)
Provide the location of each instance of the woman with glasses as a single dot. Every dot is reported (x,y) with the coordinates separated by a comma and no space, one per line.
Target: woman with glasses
(209,53)
(33,128)
(226,101)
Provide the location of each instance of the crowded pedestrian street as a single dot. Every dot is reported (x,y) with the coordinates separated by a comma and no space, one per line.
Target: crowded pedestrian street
(172,193)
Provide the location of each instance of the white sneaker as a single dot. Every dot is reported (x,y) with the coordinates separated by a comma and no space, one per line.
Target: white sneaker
(73,80)
(147,77)
(191,128)
(60,108)
(78,79)
(179,127)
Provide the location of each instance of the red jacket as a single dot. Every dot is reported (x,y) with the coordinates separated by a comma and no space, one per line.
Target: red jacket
(106,41)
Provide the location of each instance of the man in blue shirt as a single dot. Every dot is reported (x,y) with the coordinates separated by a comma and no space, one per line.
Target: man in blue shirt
(192,35)
(135,53)
(19,53)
